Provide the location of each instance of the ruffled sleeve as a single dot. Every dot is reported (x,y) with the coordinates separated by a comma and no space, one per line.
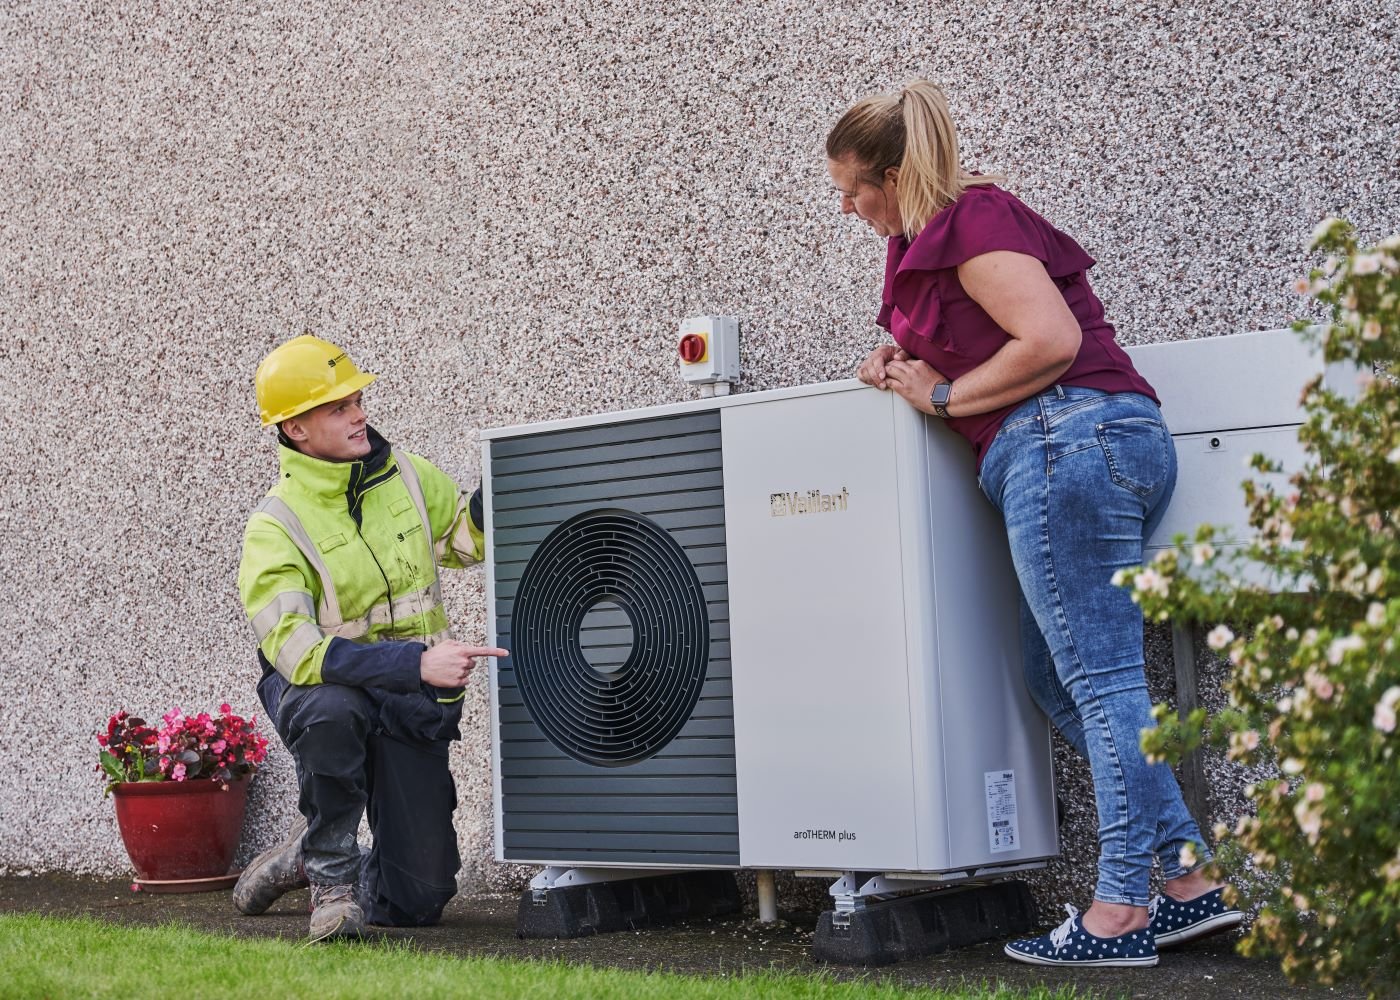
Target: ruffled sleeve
(985,219)
(924,304)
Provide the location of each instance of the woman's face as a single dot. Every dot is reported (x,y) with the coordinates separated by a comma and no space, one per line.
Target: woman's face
(876,204)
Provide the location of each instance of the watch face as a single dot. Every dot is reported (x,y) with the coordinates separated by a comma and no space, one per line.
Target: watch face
(940,394)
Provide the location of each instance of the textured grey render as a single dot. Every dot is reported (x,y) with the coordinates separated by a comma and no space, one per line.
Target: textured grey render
(505,209)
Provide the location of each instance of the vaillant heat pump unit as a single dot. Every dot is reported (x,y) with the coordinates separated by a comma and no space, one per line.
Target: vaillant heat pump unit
(774,630)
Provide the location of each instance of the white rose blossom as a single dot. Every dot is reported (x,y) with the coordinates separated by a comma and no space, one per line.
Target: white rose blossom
(1341,647)
(1187,856)
(1366,263)
(1149,581)
(1309,819)
(1383,718)
(1320,685)
(1219,637)
(1321,230)
(1375,614)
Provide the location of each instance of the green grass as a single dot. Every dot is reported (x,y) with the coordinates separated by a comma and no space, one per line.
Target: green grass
(51,957)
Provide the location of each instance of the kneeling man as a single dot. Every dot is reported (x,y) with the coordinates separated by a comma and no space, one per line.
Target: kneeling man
(361,675)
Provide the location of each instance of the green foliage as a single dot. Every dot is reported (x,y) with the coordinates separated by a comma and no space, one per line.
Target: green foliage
(1314,683)
(50,957)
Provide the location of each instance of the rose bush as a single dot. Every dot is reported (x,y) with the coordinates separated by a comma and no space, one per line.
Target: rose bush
(223,748)
(1307,616)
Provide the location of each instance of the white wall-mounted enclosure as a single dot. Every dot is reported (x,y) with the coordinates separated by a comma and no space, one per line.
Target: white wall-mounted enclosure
(777,630)
(1225,399)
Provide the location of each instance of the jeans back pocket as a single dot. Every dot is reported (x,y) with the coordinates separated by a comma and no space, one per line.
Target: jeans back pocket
(1138,450)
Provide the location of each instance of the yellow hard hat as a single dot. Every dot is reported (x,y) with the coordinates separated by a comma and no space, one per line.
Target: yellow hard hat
(302,374)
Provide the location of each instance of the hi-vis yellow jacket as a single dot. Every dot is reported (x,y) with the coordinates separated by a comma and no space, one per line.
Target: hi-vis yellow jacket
(350,551)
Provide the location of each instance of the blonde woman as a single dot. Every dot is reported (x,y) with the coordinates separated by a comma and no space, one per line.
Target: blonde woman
(997,332)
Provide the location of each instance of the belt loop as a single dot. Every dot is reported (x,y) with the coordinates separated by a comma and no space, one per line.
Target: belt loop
(1059,391)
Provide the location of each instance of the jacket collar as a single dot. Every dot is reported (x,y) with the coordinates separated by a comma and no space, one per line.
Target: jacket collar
(332,481)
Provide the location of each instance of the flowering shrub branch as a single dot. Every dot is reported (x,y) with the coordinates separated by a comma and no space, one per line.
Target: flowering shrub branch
(1314,680)
(223,748)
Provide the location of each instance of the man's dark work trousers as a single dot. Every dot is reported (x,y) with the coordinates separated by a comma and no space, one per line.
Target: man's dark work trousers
(347,765)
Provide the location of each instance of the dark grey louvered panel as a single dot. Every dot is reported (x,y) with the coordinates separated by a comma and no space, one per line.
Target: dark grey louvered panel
(678,806)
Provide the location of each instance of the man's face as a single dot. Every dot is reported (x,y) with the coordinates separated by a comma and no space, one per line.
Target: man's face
(332,432)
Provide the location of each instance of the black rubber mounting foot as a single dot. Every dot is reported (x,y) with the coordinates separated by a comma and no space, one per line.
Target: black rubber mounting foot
(924,924)
(655,900)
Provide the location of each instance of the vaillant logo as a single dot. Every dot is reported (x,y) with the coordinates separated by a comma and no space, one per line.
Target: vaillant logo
(811,502)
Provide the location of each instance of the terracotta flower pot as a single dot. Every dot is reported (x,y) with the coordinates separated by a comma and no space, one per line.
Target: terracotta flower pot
(181,829)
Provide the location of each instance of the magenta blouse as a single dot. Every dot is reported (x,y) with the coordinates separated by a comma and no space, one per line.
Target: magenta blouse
(935,320)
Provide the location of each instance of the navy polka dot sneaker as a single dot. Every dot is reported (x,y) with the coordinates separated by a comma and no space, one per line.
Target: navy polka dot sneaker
(1176,923)
(1071,944)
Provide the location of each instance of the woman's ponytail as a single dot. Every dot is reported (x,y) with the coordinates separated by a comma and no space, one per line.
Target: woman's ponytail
(914,132)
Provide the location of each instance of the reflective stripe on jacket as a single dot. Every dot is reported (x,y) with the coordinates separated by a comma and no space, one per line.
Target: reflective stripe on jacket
(351,550)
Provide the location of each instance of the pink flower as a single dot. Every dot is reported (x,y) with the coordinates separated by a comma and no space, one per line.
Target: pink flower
(223,748)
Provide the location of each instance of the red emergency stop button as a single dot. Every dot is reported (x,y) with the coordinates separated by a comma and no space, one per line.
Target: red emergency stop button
(694,347)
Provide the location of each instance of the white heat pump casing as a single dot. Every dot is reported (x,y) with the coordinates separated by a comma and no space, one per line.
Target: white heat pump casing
(877,666)
(879,718)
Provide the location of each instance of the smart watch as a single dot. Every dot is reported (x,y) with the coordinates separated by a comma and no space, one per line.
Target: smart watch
(942,392)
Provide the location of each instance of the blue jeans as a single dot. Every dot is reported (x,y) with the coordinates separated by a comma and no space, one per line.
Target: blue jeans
(1081,477)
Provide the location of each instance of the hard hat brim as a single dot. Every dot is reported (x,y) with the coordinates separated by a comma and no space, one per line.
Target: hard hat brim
(348,387)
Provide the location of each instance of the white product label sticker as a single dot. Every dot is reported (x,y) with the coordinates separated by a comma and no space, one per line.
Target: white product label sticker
(1002,829)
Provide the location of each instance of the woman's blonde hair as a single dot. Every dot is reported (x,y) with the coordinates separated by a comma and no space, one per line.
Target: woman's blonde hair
(911,130)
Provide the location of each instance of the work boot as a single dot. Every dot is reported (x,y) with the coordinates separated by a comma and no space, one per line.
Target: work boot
(273,873)
(334,912)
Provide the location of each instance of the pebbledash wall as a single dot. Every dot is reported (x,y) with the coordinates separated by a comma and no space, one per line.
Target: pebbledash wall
(505,208)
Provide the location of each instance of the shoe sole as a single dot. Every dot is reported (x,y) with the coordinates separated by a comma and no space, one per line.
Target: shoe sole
(261,861)
(1204,928)
(1124,963)
(339,931)
(251,872)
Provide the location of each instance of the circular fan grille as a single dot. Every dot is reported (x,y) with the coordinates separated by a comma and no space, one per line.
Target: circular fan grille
(609,637)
